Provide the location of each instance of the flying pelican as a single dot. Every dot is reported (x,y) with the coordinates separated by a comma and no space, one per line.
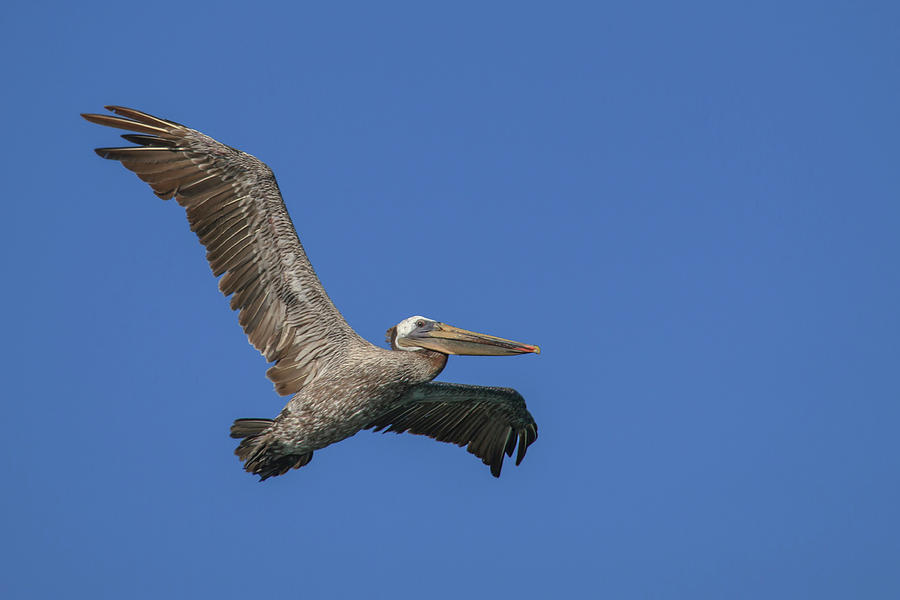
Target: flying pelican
(341,384)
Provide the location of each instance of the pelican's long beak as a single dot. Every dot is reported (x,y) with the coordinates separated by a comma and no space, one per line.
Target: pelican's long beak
(452,340)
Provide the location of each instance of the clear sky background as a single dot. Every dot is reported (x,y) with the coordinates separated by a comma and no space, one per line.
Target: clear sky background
(692,208)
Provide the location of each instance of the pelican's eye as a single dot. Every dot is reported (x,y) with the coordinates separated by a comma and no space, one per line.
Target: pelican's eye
(420,323)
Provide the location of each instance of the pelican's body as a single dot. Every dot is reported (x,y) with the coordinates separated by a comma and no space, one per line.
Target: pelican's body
(351,394)
(340,383)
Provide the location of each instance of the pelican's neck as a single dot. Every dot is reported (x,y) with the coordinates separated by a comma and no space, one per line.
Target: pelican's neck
(428,363)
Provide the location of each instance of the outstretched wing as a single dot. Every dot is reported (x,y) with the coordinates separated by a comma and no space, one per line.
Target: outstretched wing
(490,420)
(234,206)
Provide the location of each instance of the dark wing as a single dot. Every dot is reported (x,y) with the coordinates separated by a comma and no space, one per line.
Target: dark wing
(490,420)
(235,208)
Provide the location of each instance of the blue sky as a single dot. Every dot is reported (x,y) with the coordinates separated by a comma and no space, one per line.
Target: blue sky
(691,207)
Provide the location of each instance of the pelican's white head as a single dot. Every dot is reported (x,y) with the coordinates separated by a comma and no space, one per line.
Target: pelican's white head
(405,329)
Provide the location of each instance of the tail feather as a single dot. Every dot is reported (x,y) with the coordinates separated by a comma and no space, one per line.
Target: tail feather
(257,452)
(249,427)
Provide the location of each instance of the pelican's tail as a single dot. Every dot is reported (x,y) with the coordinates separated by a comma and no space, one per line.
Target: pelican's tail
(259,454)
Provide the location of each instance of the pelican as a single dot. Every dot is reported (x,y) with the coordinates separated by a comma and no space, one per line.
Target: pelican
(339,383)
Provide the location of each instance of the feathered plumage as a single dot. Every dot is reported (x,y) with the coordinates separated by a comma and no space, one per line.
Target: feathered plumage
(340,382)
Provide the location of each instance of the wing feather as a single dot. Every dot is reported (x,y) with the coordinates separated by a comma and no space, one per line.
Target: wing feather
(489,421)
(233,203)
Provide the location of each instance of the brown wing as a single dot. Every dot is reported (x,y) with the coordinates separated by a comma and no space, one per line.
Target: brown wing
(234,206)
(490,420)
